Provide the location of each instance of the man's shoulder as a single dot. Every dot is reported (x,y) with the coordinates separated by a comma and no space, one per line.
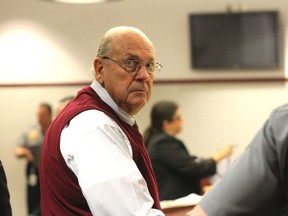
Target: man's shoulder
(280,113)
(31,129)
(92,117)
(283,107)
(163,139)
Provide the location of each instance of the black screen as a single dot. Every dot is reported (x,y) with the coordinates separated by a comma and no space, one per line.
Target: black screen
(235,40)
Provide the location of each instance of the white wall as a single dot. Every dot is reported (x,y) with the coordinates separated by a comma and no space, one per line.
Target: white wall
(42,42)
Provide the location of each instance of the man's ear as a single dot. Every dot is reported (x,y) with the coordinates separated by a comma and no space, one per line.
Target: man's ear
(98,68)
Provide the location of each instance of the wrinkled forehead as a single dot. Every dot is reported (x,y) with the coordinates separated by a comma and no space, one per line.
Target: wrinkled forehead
(133,44)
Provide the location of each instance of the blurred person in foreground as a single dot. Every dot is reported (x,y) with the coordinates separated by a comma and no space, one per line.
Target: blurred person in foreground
(177,172)
(29,147)
(94,161)
(257,182)
(5,206)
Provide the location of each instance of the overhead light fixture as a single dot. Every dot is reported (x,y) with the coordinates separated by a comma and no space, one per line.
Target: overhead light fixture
(80,1)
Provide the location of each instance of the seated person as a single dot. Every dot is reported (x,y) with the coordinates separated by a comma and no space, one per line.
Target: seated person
(177,172)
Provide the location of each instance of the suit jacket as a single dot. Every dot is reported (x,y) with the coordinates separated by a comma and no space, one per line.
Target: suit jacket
(5,207)
(177,172)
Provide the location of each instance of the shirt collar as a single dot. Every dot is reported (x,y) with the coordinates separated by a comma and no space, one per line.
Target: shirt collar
(104,95)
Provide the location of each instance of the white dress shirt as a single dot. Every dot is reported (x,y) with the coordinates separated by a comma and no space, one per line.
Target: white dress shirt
(99,153)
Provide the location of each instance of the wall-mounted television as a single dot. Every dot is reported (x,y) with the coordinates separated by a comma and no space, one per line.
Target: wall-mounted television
(246,40)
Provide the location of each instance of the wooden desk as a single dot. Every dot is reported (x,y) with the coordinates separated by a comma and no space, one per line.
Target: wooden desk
(177,211)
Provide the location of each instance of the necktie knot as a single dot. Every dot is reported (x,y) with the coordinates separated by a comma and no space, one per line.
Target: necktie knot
(135,126)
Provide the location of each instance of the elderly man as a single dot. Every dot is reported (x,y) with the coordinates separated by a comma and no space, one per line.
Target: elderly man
(94,161)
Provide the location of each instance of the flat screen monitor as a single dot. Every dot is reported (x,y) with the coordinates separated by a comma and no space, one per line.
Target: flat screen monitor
(247,40)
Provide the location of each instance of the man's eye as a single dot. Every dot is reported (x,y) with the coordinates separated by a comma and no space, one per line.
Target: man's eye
(131,63)
(150,65)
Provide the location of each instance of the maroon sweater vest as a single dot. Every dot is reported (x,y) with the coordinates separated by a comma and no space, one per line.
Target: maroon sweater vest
(60,191)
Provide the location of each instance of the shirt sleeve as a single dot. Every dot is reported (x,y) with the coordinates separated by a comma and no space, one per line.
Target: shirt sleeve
(99,153)
(255,183)
(174,155)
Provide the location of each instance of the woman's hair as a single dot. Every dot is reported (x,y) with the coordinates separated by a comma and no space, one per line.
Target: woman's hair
(161,111)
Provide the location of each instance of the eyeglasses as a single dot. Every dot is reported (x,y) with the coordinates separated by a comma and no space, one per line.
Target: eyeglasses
(132,66)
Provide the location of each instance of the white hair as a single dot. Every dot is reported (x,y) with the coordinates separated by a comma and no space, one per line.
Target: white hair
(106,47)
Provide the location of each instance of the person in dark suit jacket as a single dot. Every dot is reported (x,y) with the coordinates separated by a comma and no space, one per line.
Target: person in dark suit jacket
(177,172)
(5,206)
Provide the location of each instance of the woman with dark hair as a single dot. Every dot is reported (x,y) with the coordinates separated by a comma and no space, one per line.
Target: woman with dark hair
(177,172)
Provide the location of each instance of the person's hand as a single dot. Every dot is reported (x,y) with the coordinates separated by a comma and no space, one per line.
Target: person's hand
(24,153)
(29,155)
(197,211)
(223,152)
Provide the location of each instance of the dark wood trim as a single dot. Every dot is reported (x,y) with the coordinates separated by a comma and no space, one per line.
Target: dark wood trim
(158,82)
(14,85)
(222,80)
